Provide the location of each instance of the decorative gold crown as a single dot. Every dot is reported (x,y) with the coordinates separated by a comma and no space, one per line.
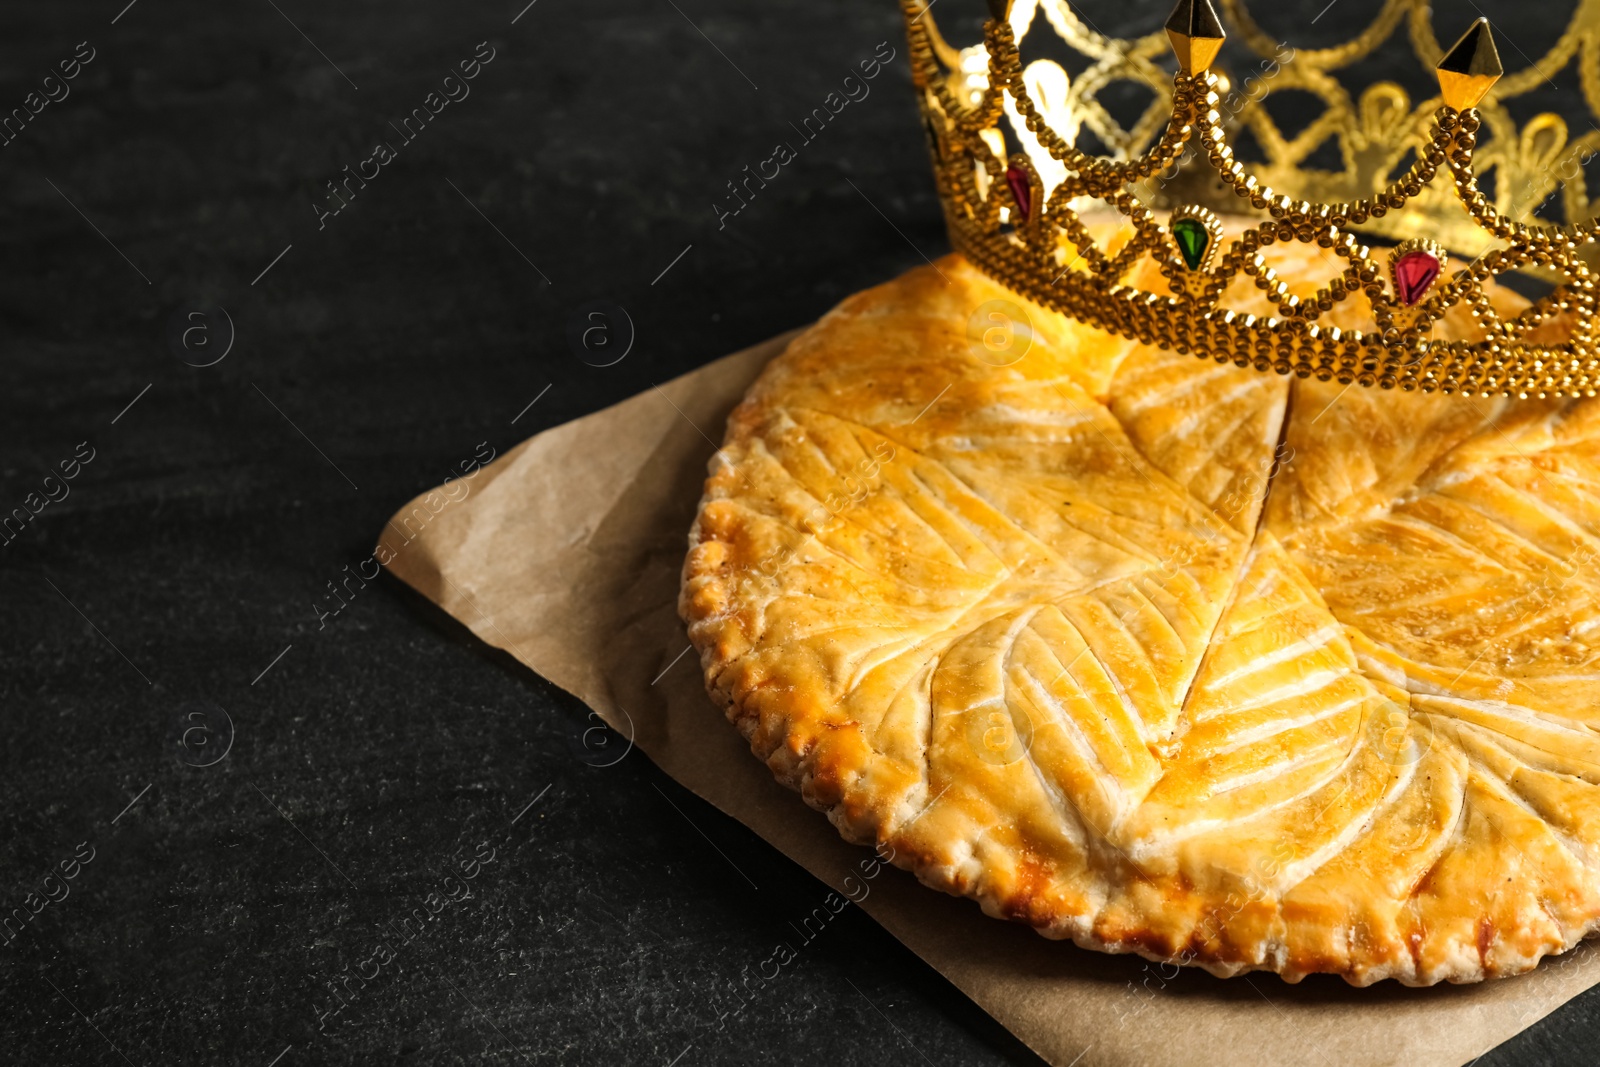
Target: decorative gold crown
(1014,211)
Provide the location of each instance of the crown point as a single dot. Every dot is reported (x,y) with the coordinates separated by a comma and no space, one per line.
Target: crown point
(1196,35)
(1469,70)
(1000,10)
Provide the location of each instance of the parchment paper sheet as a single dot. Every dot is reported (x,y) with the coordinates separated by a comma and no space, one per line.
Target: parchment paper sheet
(566,552)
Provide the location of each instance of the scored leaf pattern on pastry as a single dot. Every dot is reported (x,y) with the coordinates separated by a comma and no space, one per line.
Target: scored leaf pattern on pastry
(1168,656)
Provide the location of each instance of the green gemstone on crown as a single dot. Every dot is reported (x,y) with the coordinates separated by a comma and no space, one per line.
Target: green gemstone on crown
(1193,240)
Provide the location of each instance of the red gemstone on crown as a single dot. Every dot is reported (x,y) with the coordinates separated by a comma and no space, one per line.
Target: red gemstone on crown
(1414,272)
(1021,191)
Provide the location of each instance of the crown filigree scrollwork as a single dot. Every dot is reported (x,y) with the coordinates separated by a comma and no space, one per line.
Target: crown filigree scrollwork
(1015,209)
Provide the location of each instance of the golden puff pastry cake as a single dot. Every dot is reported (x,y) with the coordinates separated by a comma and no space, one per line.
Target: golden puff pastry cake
(1165,656)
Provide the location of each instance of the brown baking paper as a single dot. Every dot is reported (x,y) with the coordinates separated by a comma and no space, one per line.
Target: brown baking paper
(566,552)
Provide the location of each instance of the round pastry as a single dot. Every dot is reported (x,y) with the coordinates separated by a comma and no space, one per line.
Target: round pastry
(1166,656)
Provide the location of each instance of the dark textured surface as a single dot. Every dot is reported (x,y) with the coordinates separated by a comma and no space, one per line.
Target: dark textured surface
(372,358)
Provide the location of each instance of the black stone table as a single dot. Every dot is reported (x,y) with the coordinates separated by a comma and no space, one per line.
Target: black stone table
(238,774)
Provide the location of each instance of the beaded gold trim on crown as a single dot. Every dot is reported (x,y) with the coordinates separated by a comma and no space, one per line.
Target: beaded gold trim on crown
(1016,213)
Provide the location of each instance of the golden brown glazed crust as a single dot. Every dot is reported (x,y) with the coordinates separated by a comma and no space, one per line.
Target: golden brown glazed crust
(1064,636)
